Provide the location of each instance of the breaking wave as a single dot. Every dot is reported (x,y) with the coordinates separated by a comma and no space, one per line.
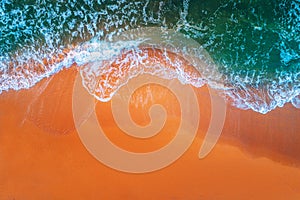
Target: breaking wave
(248,51)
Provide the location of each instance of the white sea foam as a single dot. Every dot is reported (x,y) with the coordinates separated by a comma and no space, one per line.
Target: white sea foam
(98,32)
(97,73)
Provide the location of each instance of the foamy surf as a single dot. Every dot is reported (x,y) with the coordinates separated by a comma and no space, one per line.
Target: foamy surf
(165,53)
(260,72)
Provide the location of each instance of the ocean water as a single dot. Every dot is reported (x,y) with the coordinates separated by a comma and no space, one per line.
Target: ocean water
(249,50)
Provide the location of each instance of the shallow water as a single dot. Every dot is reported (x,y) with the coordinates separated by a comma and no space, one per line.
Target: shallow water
(250,48)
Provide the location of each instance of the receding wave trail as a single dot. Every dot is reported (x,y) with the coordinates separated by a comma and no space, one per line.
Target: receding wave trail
(250,55)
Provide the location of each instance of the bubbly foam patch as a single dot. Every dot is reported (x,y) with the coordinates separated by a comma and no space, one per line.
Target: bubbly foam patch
(164,53)
(113,74)
(296,101)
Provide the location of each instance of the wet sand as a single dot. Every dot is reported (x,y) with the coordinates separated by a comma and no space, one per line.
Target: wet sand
(42,157)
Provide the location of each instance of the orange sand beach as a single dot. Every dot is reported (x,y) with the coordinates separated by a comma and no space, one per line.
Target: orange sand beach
(42,156)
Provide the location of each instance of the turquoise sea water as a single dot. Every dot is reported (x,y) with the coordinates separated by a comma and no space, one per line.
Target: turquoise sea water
(255,44)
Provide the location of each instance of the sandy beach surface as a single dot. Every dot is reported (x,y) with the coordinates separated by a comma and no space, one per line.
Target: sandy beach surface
(42,156)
